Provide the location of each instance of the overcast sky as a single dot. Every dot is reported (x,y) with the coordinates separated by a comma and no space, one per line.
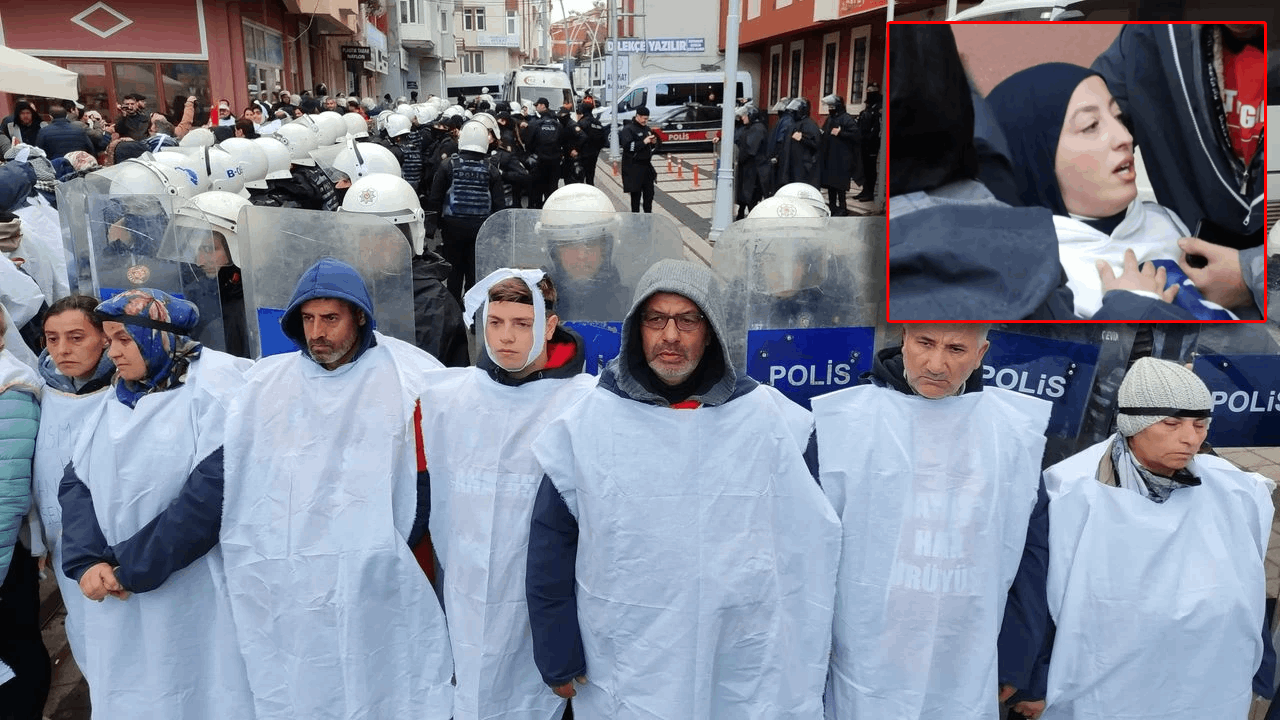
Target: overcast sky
(568,5)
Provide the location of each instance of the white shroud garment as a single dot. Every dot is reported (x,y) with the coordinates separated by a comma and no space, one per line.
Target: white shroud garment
(1149,229)
(335,618)
(478,436)
(63,419)
(171,652)
(934,497)
(1159,607)
(706,557)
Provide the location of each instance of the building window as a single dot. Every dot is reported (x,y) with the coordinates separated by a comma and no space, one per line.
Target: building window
(830,53)
(752,10)
(472,62)
(444,21)
(264,56)
(778,4)
(775,73)
(410,11)
(858,65)
(473,19)
(797,67)
(511,22)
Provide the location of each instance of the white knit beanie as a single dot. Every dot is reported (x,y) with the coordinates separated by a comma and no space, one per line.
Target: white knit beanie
(1156,389)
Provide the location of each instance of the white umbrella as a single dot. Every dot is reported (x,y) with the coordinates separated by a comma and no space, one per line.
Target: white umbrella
(22,74)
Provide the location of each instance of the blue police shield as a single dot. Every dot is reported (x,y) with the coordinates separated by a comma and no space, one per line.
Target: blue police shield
(802,300)
(1059,371)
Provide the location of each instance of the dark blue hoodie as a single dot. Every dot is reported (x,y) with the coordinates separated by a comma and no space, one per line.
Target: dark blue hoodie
(329,278)
(190,526)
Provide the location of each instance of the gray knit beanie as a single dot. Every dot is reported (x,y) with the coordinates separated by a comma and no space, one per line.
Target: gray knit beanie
(1156,389)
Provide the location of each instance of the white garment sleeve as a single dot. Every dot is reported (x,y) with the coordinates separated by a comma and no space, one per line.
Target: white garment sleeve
(19,293)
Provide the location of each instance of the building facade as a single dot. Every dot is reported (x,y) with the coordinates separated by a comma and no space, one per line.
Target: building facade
(489,36)
(422,47)
(229,49)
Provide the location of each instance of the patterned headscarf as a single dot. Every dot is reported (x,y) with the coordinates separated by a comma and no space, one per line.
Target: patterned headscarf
(160,324)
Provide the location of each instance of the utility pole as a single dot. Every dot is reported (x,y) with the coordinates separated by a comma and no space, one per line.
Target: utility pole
(615,148)
(546,32)
(724,169)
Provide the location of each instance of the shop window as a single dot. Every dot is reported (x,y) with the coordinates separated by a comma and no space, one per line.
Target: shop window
(134,77)
(93,86)
(181,80)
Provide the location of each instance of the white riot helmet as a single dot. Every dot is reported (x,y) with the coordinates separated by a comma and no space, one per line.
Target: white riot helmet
(217,210)
(786,208)
(474,136)
(486,98)
(405,111)
(807,193)
(148,177)
(490,123)
(389,197)
(438,103)
(381,119)
(190,164)
(225,174)
(515,107)
(453,110)
(300,140)
(198,137)
(277,161)
(330,127)
(368,104)
(357,126)
(576,213)
(358,160)
(250,156)
(397,125)
(426,114)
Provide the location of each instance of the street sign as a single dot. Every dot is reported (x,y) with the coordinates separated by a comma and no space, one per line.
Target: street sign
(658,46)
(1246,406)
(357,53)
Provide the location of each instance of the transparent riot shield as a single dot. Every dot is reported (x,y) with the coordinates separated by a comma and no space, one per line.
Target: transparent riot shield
(803,300)
(278,244)
(73,215)
(594,261)
(126,250)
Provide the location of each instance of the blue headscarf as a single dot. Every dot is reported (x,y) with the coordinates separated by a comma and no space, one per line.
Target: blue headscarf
(1031,107)
(159,323)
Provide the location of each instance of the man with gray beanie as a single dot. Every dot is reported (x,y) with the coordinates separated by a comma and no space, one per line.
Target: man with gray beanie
(1156,579)
(682,560)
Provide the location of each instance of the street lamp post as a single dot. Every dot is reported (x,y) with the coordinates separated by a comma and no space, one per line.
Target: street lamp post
(615,148)
(724,169)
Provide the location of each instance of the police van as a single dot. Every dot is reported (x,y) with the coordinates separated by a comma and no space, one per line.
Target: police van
(667,92)
(531,82)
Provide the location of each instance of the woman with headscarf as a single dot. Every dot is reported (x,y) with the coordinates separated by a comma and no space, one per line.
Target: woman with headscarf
(1074,155)
(169,650)
(956,252)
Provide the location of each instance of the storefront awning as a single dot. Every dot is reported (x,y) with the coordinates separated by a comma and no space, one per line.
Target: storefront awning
(22,74)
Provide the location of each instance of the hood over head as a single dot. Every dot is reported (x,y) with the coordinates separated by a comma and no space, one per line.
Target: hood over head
(17,182)
(716,380)
(329,278)
(888,369)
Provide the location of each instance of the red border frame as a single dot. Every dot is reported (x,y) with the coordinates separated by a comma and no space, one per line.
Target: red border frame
(888,155)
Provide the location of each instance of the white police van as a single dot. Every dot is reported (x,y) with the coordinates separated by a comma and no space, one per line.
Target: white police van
(663,93)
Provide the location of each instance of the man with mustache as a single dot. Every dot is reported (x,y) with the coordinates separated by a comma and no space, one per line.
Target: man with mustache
(322,496)
(681,558)
(940,604)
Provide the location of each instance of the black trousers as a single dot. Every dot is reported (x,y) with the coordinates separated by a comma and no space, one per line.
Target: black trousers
(869,170)
(458,246)
(643,197)
(21,646)
(837,202)
(588,163)
(546,176)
